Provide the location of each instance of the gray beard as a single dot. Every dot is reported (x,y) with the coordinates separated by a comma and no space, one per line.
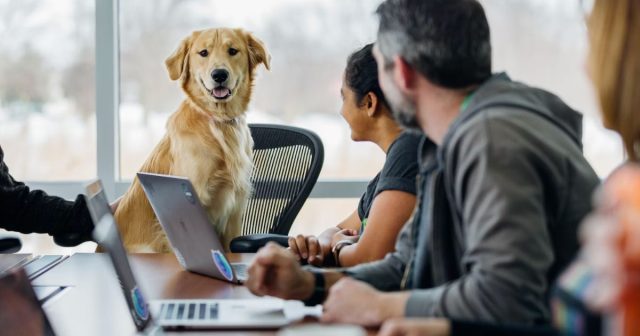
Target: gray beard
(405,116)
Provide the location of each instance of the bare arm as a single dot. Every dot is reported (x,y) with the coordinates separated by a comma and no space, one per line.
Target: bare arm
(390,210)
(316,249)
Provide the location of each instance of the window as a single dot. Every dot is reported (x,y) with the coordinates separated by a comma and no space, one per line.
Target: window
(47,90)
(309,42)
(56,124)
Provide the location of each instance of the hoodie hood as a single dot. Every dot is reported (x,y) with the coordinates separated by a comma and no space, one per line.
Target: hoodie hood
(501,91)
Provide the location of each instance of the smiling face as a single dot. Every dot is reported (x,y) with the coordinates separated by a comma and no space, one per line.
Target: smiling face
(216,68)
(354,113)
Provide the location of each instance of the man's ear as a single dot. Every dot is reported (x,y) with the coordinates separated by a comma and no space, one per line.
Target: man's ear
(257,52)
(178,63)
(404,75)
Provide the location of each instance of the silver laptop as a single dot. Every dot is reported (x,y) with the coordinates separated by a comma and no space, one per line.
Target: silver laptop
(185,222)
(176,314)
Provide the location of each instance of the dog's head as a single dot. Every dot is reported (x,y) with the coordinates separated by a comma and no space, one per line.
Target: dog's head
(216,69)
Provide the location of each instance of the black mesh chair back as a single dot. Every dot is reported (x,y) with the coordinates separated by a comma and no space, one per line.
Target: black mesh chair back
(287,162)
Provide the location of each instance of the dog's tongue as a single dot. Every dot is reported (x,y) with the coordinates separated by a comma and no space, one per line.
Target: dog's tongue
(221,92)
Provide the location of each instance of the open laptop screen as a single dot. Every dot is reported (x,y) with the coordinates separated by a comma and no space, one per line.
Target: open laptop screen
(107,235)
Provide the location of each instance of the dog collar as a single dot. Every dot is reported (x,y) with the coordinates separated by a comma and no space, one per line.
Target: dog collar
(231,122)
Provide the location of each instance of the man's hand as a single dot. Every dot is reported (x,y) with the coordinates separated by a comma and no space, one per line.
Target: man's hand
(276,272)
(309,248)
(416,327)
(352,301)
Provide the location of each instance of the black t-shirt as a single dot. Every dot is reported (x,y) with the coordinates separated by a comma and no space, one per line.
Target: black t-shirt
(398,173)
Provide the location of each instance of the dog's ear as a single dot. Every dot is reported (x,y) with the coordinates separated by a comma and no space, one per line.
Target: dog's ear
(257,52)
(178,63)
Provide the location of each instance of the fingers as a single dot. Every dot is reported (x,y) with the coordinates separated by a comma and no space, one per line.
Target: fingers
(315,251)
(335,301)
(293,247)
(267,258)
(301,241)
(393,327)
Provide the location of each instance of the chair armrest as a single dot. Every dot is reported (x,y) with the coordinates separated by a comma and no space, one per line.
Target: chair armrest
(10,245)
(252,243)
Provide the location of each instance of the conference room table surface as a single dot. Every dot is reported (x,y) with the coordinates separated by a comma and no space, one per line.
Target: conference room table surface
(92,302)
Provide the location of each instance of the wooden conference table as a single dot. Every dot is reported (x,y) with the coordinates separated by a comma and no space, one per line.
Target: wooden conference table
(93,304)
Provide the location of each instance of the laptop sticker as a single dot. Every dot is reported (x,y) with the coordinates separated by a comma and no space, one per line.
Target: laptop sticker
(140,305)
(222,264)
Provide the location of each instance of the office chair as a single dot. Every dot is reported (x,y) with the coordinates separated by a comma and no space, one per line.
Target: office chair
(287,162)
(10,245)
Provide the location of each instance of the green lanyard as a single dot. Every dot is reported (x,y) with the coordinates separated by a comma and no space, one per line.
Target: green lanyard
(466,101)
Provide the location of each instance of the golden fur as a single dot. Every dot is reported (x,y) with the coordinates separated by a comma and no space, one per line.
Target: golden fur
(207,138)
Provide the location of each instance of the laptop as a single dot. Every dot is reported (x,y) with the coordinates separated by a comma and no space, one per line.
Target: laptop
(186,224)
(178,314)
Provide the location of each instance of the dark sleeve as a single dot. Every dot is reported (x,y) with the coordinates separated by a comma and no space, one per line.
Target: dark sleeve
(508,251)
(33,211)
(468,328)
(386,274)
(401,165)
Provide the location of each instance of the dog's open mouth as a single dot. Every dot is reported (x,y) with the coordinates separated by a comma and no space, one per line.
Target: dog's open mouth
(219,92)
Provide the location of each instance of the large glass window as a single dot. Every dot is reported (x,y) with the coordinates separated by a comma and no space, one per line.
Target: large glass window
(47,89)
(539,42)
(309,42)
(47,81)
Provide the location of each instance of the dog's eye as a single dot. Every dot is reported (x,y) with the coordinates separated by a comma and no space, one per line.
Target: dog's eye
(233,51)
(204,53)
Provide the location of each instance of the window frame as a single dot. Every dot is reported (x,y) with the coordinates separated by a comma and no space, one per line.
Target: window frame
(107,63)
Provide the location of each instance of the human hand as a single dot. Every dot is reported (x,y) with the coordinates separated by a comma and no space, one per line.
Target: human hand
(416,327)
(355,302)
(345,234)
(308,248)
(276,272)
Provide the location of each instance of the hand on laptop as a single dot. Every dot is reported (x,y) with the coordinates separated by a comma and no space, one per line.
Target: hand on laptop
(355,302)
(276,272)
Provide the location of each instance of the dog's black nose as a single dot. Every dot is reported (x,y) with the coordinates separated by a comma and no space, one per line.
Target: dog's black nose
(220,75)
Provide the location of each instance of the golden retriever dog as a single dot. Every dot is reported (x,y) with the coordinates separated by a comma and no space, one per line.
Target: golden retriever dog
(207,140)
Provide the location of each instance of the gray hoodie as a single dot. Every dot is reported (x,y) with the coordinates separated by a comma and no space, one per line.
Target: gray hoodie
(499,204)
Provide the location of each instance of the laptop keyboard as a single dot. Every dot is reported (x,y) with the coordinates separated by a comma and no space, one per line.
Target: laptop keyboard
(189,311)
(240,270)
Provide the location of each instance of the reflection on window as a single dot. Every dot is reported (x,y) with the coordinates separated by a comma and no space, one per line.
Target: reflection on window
(47,90)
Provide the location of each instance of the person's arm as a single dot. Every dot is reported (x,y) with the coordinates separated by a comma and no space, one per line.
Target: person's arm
(390,210)
(386,274)
(33,211)
(275,272)
(316,249)
(508,249)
